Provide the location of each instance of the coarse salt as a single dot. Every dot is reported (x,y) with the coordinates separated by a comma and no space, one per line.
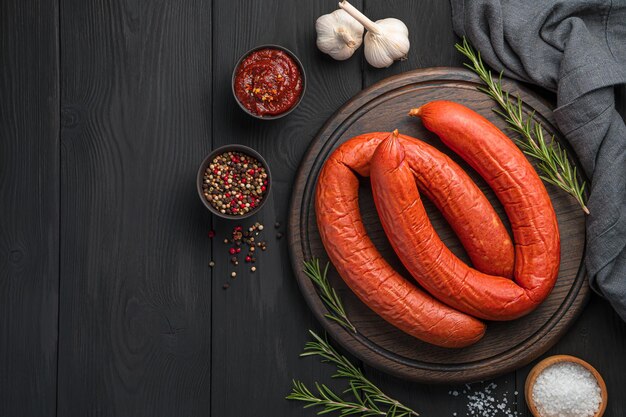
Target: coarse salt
(566,389)
(482,401)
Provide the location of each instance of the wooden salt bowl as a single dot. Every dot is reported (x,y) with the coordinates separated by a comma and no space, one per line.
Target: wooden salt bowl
(551,360)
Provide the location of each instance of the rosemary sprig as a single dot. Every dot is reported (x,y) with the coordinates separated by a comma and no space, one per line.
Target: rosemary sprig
(330,401)
(327,293)
(554,163)
(369,400)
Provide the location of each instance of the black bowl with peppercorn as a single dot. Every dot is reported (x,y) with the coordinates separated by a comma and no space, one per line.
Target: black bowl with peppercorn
(268,82)
(233,182)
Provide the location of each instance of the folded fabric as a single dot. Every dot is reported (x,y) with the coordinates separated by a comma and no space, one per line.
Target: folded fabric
(576,48)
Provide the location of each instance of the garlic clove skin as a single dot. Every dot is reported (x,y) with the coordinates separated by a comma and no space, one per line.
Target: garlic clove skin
(338,34)
(386,40)
(390,43)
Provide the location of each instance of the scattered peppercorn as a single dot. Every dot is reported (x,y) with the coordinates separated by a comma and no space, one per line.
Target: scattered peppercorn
(279,235)
(247,240)
(226,286)
(234,183)
(276,225)
(211,234)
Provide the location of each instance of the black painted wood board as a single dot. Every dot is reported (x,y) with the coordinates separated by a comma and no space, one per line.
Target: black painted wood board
(135,302)
(107,211)
(29,207)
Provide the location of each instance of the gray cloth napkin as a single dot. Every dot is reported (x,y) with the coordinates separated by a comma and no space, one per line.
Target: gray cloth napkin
(576,48)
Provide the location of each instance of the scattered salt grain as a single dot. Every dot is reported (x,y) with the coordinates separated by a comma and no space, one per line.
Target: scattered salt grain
(482,401)
(566,389)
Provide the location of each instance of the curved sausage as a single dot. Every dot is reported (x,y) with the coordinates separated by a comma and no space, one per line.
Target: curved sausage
(517,186)
(363,268)
(453,192)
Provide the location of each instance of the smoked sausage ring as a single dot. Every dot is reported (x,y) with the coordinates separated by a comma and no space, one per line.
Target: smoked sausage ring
(518,187)
(453,192)
(362,267)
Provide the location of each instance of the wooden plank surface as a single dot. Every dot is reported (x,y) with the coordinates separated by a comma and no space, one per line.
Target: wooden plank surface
(145,327)
(29,206)
(136,291)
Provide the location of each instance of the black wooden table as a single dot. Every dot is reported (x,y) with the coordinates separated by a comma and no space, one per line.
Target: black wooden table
(108,306)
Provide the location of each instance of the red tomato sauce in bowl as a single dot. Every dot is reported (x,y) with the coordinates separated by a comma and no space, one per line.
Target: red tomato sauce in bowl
(268,82)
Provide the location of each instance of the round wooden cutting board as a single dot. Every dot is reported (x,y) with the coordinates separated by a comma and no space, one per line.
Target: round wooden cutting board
(506,345)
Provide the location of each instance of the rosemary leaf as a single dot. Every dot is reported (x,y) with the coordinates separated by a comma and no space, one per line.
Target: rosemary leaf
(557,169)
(328,294)
(368,399)
(329,401)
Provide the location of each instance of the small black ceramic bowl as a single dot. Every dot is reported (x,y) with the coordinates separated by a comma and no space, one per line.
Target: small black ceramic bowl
(207,161)
(302,74)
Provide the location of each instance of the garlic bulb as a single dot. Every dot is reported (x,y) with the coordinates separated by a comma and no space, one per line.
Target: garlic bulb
(386,40)
(338,34)
(381,49)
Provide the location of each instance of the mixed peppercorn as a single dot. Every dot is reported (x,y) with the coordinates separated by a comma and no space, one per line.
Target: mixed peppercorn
(244,244)
(234,183)
(241,238)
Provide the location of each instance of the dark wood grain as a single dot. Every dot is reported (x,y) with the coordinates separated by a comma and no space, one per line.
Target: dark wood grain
(260,323)
(507,345)
(145,96)
(136,291)
(29,207)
